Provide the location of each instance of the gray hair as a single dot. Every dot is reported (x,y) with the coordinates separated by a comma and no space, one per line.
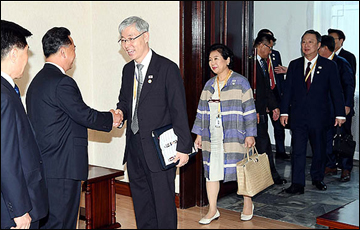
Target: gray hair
(140,24)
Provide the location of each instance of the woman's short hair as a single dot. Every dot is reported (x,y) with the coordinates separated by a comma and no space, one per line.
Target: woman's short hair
(225,52)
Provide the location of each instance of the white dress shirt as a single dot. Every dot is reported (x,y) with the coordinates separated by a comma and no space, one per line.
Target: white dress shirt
(145,63)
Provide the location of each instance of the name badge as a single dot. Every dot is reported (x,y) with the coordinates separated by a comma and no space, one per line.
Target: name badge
(218,122)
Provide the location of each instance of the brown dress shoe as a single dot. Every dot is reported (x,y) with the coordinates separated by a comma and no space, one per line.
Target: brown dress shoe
(345,175)
(330,171)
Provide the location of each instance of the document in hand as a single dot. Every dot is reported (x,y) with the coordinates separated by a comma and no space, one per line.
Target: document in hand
(165,141)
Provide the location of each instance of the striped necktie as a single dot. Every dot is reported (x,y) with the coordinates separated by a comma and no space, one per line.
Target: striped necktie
(135,122)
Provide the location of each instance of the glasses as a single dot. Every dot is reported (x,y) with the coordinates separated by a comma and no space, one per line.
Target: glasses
(131,40)
(268,46)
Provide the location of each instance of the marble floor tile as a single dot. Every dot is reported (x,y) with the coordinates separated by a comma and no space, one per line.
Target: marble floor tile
(302,209)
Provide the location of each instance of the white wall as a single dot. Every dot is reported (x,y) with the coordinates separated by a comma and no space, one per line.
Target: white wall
(99,58)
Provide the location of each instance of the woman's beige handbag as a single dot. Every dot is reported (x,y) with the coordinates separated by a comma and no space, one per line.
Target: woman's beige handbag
(253,173)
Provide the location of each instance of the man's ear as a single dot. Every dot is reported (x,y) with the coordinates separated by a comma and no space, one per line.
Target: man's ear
(13,54)
(62,52)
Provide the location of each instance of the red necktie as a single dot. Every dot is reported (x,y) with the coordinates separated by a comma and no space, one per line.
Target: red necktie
(271,73)
(308,81)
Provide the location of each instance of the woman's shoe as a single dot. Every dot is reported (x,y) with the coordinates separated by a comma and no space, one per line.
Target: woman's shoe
(248,217)
(208,221)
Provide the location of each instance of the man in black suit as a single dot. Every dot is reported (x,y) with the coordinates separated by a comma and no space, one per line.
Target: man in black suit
(339,37)
(61,119)
(311,85)
(265,100)
(276,85)
(347,82)
(152,95)
(23,189)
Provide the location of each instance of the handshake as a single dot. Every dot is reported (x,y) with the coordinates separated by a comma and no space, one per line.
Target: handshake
(118,117)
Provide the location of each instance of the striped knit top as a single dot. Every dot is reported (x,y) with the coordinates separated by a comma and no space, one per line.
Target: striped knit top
(239,121)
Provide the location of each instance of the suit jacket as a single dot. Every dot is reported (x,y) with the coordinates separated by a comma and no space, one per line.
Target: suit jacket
(279,78)
(265,97)
(350,58)
(23,187)
(60,119)
(313,108)
(347,78)
(162,101)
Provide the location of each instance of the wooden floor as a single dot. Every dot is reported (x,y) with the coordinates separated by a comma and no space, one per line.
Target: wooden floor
(188,218)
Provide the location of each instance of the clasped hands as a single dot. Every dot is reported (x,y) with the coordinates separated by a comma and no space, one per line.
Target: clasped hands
(118,117)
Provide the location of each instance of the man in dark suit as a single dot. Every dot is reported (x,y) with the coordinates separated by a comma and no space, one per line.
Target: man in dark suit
(265,100)
(152,95)
(347,82)
(61,119)
(312,83)
(339,37)
(23,189)
(276,85)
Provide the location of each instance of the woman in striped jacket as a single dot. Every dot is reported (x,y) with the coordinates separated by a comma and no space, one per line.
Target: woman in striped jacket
(225,125)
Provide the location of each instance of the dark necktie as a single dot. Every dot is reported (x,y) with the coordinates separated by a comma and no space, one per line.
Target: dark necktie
(263,66)
(17,90)
(308,80)
(135,122)
(271,73)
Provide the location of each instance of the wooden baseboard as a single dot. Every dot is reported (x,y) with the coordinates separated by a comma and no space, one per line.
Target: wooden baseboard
(123,188)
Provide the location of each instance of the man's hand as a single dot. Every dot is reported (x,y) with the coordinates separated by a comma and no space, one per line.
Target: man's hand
(183,159)
(117,117)
(22,222)
(276,114)
(347,110)
(339,122)
(280,69)
(284,120)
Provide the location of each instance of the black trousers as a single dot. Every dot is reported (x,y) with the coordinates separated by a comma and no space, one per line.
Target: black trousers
(153,193)
(263,144)
(64,201)
(317,138)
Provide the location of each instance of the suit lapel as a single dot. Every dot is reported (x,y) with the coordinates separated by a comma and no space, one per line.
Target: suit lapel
(150,78)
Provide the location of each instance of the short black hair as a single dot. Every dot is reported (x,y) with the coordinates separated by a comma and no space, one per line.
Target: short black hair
(328,41)
(54,39)
(265,31)
(225,52)
(12,35)
(262,37)
(317,34)
(338,32)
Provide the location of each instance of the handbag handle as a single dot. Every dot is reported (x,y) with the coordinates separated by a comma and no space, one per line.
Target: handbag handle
(254,151)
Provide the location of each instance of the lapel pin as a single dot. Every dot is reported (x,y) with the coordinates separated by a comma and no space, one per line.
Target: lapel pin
(318,72)
(149,81)
(320,67)
(151,76)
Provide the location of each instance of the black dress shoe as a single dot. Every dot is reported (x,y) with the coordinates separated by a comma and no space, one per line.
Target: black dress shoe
(295,189)
(319,184)
(280,180)
(283,156)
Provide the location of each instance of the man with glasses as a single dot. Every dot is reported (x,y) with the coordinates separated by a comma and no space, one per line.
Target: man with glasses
(274,63)
(265,100)
(152,95)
